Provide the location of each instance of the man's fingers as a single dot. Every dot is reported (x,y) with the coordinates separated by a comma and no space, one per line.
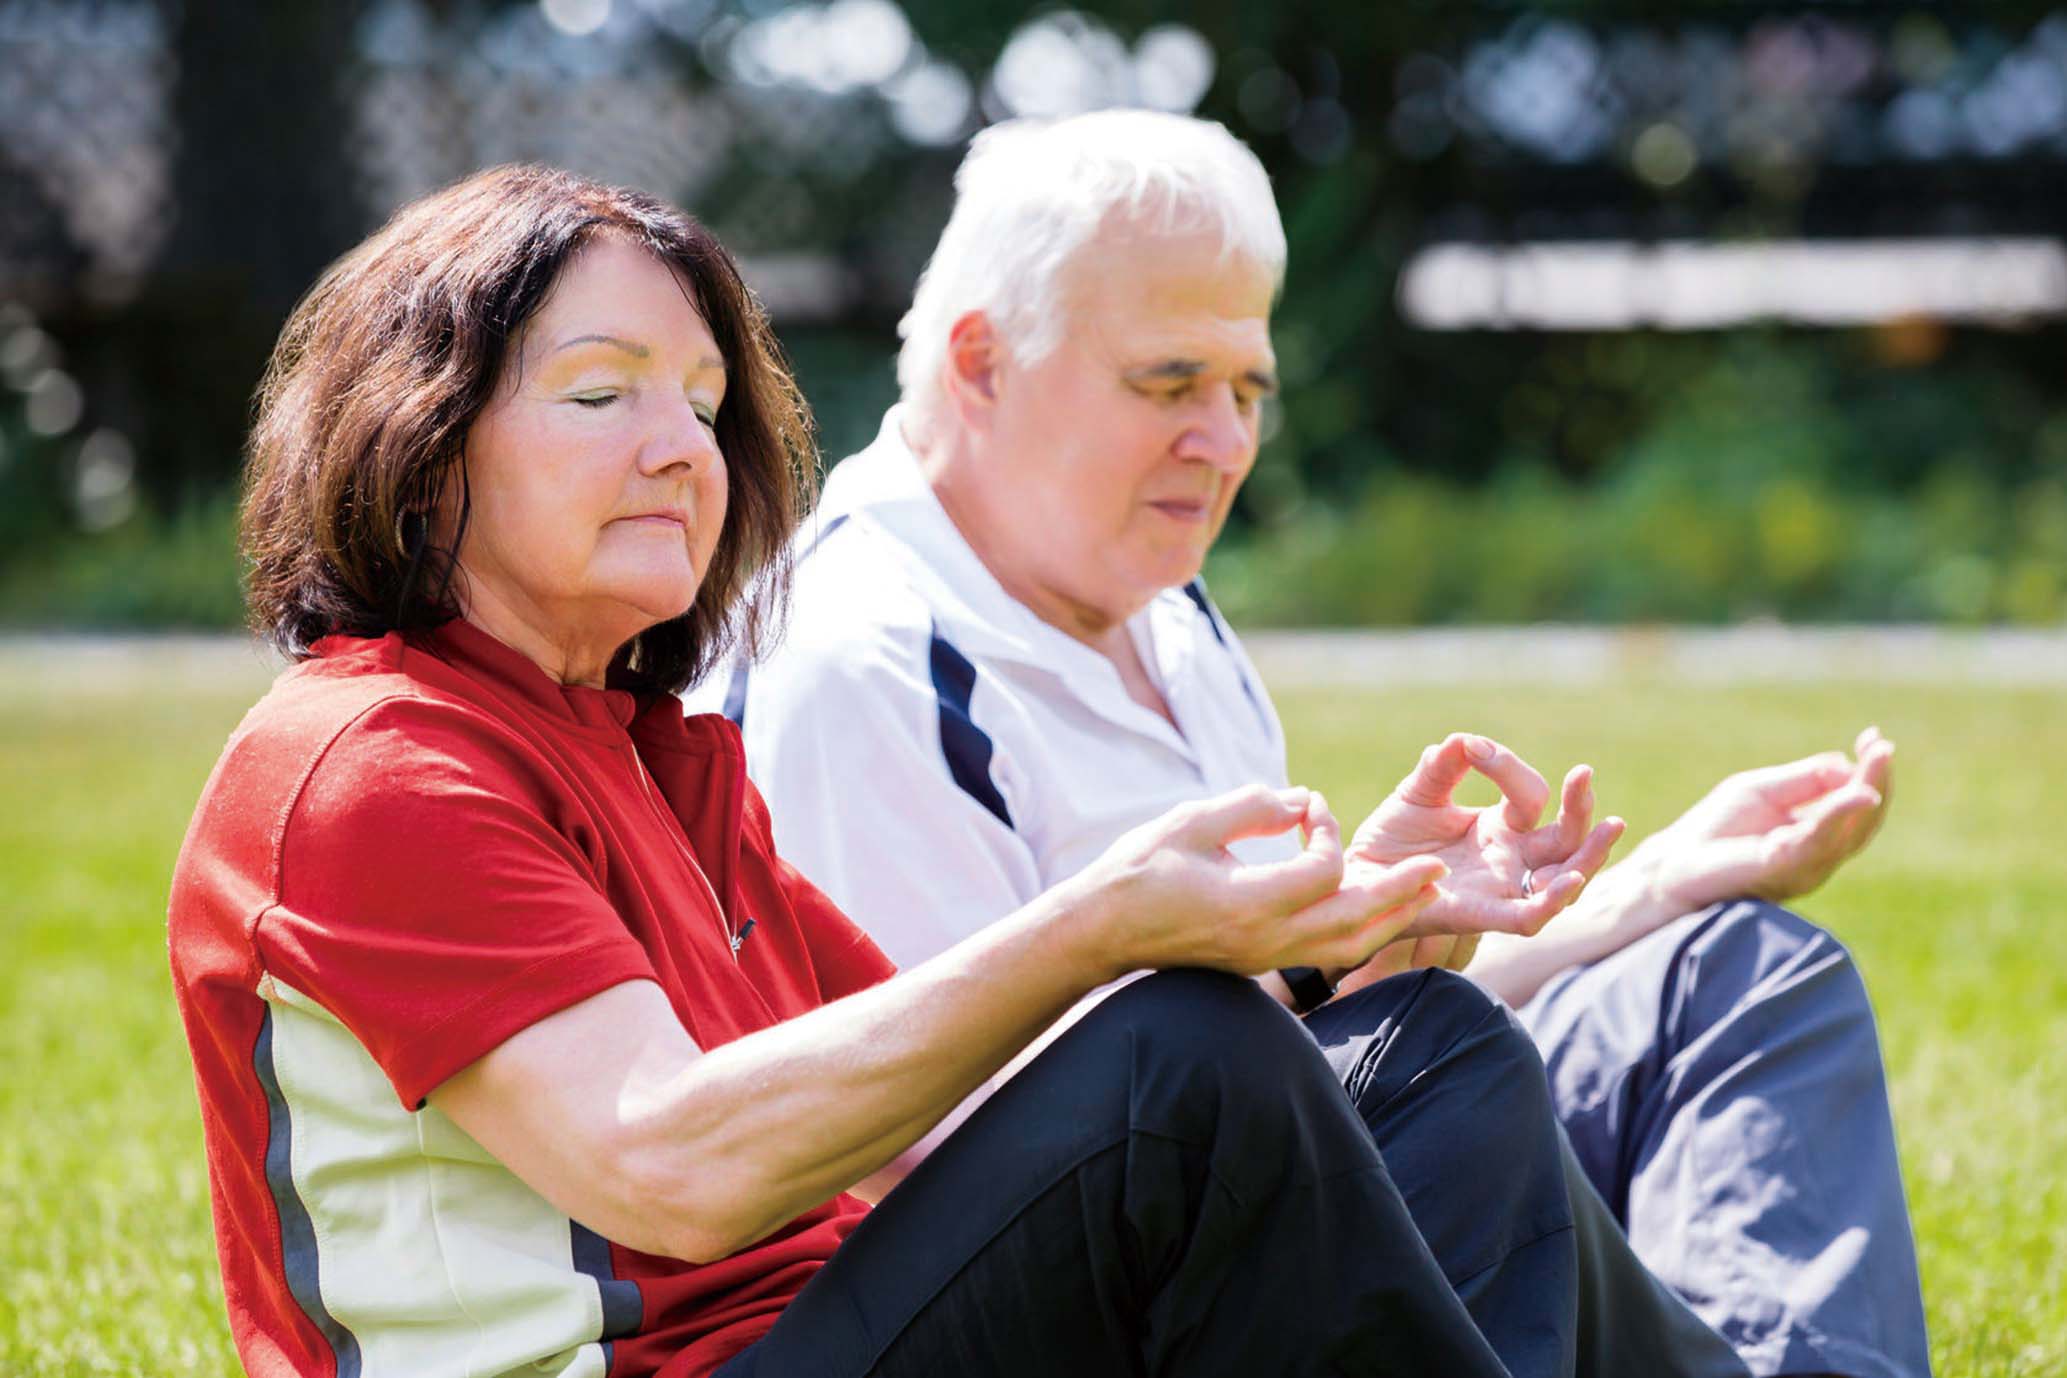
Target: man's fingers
(1343,930)
(1519,783)
(1394,885)
(1831,815)
(1591,854)
(1795,783)
(1440,770)
(1316,872)
(1877,767)
(1319,827)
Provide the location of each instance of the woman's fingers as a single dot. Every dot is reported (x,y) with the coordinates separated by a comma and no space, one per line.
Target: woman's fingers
(1345,928)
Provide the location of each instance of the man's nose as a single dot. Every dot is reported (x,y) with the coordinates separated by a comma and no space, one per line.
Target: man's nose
(1220,433)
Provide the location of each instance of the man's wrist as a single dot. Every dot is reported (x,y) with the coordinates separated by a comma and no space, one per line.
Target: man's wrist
(1631,898)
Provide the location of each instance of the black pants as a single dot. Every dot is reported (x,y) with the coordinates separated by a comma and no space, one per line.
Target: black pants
(1180,1186)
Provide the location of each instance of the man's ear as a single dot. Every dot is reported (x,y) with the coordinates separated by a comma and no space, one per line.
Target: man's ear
(974,356)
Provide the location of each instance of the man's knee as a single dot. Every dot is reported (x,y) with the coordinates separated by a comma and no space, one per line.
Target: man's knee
(1755,950)
(1436,1038)
(1776,980)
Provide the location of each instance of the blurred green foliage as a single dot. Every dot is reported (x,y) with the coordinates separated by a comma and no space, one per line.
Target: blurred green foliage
(1906,471)
(1723,477)
(1751,475)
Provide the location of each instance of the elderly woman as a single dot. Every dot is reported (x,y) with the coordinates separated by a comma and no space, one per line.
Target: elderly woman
(519,1049)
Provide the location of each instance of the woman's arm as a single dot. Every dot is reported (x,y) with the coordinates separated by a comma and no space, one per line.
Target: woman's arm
(610,1110)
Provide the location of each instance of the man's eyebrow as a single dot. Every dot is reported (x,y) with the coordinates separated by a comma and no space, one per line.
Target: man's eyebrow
(1168,370)
(1179,370)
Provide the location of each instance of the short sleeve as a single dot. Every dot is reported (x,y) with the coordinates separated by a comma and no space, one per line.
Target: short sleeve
(436,895)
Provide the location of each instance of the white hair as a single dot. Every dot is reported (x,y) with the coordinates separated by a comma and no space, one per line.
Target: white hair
(1033,193)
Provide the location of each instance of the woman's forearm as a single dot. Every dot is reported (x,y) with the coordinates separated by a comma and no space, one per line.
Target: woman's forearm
(610,1111)
(750,1134)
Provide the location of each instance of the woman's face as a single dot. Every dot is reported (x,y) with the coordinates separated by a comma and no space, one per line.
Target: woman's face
(598,492)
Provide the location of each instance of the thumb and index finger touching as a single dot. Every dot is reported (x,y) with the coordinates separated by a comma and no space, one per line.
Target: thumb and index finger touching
(1444,766)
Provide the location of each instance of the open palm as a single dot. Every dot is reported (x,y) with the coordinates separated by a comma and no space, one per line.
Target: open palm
(1777,832)
(1489,851)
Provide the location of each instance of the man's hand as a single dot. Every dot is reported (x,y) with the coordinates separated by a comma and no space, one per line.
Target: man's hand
(1773,833)
(1506,875)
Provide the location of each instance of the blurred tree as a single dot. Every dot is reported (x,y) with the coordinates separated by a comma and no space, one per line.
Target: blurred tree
(261,200)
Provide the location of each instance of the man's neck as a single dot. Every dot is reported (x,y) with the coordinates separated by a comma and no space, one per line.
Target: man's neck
(946,464)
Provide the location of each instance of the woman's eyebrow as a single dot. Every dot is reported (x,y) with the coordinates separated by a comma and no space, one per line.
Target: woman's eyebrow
(708,363)
(637,351)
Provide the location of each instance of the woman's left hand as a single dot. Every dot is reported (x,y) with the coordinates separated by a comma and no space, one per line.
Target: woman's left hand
(1506,874)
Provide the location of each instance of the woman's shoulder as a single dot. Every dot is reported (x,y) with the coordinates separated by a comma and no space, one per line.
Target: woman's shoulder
(354,689)
(344,743)
(361,719)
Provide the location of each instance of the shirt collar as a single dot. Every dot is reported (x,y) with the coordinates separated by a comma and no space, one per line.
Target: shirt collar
(884,485)
(478,653)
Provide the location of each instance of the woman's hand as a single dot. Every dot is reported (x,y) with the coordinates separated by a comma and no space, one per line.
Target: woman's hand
(1170,893)
(1506,875)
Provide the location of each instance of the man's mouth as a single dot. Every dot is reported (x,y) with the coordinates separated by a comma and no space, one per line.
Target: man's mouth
(1184,509)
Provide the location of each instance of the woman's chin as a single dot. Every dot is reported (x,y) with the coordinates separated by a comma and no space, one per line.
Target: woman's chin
(658,592)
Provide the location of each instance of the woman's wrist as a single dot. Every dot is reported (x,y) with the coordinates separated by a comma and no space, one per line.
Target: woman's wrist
(1080,919)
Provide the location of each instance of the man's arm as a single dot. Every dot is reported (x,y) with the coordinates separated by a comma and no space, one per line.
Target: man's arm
(1774,833)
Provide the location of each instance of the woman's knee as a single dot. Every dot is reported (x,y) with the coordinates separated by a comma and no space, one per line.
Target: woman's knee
(1212,1057)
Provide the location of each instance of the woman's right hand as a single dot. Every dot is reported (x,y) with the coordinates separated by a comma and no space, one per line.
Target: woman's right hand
(1170,893)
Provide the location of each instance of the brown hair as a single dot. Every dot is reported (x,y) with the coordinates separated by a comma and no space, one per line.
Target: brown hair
(382,368)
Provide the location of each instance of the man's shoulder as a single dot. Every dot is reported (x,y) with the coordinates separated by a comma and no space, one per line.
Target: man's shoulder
(859,599)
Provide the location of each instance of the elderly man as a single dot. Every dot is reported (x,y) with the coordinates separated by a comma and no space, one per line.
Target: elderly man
(1002,658)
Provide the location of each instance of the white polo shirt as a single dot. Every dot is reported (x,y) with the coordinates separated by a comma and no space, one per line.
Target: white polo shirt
(934,755)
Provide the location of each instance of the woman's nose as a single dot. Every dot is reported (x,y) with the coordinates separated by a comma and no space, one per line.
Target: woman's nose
(680,437)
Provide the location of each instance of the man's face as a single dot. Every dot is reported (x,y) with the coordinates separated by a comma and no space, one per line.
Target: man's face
(1110,465)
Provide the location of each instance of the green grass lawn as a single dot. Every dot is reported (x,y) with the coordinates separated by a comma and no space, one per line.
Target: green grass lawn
(107,1264)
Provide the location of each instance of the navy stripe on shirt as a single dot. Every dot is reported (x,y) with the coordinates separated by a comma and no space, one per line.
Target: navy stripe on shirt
(1196,592)
(735,692)
(966,746)
(622,1306)
(297,1232)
